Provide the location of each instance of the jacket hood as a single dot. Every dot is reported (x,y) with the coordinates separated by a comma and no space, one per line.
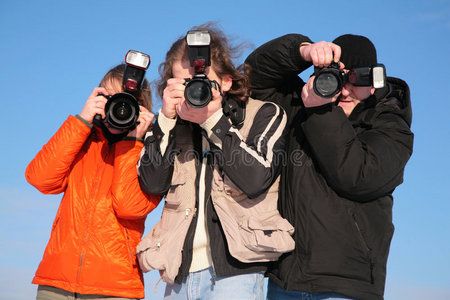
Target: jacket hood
(395,96)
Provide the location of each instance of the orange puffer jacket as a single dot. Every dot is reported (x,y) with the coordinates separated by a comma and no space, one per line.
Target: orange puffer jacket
(101,216)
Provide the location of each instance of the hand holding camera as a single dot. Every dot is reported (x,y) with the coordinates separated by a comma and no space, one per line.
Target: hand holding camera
(199,115)
(172,96)
(320,54)
(144,122)
(95,105)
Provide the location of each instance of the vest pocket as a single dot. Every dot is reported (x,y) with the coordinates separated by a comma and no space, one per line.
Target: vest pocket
(259,237)
(268,232)
(161,248)
(176,190)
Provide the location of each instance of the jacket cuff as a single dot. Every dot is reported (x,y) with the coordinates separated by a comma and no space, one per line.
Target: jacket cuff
(84,121)
(212,121)
(166,124)
(296,55)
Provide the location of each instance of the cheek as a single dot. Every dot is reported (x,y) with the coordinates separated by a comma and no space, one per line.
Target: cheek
(362,93)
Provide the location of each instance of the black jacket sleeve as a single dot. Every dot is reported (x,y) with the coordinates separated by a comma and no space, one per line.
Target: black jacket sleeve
(274,64)
(253,164)
(155,168)
(359,166)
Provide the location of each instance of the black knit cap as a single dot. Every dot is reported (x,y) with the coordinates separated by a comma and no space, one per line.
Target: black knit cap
(357,51)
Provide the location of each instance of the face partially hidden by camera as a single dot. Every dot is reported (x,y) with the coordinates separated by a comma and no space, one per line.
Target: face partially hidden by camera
(352,95)
(113,87)
(181,69)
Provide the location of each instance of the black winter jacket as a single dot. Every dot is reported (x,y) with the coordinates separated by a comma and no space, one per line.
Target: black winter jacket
(336,188)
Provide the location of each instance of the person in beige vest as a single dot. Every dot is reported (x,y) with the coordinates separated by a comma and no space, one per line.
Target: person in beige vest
(218,165)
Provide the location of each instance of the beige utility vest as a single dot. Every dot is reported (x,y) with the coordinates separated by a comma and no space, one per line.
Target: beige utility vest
(254,229)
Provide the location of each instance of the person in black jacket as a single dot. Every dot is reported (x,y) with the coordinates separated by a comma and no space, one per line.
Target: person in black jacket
(346,155)
(183,153)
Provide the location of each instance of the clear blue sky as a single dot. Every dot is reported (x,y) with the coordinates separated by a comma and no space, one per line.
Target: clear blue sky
(54,52)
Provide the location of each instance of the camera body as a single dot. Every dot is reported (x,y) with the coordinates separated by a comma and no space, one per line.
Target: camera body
(122,109)
(198,91)
(329,81)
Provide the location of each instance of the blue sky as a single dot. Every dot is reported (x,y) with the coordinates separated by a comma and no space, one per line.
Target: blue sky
(54,52)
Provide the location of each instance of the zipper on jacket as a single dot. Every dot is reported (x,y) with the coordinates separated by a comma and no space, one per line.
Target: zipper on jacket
(361,237)
(366,246)
(80,265)
(130,256)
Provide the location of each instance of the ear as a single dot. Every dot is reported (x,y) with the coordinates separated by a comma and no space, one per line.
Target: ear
(227,82)
(372,90)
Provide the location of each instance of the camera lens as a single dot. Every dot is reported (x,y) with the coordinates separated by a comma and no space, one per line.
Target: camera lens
(198,92)
(328,81)
(326,85)
(122,111)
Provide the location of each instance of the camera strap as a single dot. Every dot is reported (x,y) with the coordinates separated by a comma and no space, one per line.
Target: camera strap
(111,138)
(234,110)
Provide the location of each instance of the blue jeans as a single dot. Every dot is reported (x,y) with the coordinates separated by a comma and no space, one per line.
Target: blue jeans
(274,292)
(206,285)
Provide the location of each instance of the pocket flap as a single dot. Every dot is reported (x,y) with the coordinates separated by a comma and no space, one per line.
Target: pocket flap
(178,178)
(271,222)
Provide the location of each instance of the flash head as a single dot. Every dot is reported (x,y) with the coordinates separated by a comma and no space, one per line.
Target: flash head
(370,76)
(198,38)
(137,59)
(379,76)
(199,52)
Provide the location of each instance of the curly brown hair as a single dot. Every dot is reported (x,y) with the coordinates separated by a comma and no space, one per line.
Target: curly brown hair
(222,54)
(116,74)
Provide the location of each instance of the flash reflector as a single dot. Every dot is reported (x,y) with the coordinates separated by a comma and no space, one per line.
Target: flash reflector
(379,76)
(137,59)
(198,38)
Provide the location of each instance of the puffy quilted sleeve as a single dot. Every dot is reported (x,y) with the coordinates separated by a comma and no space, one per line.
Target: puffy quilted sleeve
(129,201)
(49,170)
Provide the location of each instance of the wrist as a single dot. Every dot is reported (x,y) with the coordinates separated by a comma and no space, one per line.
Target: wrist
(302,50)
(85,118)
(168,114)
(82,119)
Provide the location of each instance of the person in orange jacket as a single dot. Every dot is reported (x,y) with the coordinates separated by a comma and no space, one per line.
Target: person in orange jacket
(100,220)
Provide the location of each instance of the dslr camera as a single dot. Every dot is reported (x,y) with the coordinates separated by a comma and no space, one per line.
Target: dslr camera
(330,80)
(198,88)
(122,109)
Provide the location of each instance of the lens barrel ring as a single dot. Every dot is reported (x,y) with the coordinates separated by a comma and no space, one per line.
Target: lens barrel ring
(198,91)
(122,111)
(328,82)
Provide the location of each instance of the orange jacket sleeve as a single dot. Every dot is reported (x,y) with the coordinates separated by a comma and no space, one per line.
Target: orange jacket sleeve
(49,170)
(129,201)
